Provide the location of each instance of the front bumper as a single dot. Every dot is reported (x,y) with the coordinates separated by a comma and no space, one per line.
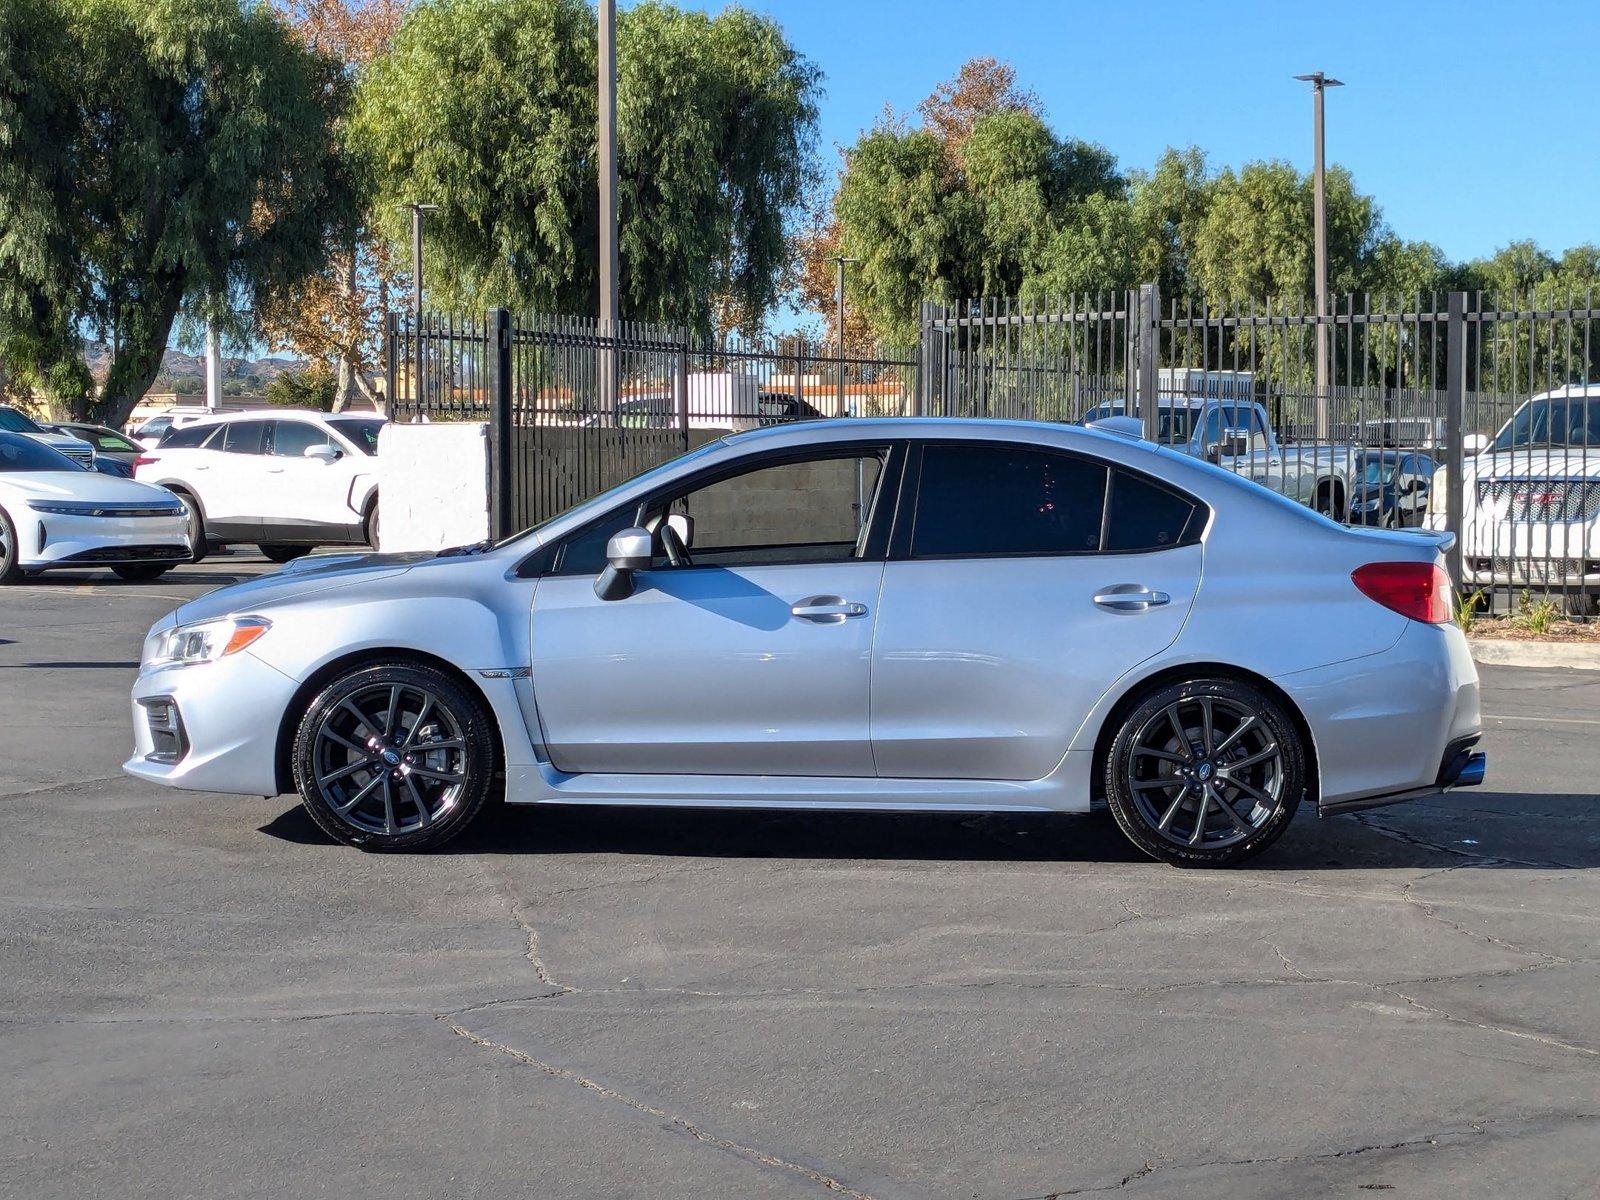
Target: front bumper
(227,716)
(49,540)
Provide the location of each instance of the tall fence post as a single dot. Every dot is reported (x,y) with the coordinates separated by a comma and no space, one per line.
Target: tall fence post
(391,344)
(1455,412)
(497,335)
(921,397)
(1149,335)
(681,375)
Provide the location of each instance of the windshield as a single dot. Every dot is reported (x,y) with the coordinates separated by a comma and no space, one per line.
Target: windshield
(598,503)
(14,422)
(362,431)
(1558,421)
(1376,468)
(25,454)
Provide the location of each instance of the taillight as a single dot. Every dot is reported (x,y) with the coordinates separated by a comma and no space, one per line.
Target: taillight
(144,460)
(1419,590)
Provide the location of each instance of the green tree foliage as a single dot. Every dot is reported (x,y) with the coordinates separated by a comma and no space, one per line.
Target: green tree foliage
(181,158)
(488,109)
(312,388)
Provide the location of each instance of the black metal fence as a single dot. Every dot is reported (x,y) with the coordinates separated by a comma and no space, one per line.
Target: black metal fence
(1468,413)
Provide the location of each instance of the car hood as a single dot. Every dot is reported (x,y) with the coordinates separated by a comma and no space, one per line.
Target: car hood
(302,577)
(1569,462)
(92,486)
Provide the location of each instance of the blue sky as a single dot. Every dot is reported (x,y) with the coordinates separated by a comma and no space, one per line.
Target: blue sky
(1473,124)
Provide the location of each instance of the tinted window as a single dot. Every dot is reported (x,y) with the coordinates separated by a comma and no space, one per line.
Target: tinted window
(361,431)
(104,439)
(24,454)
(243,437)
(291,439)
(584,552)
(977,500)
(1145,515)
(14,422)
(186,438)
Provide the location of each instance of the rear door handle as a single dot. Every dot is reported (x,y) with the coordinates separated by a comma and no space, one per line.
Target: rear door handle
(1130,597)
(827,610)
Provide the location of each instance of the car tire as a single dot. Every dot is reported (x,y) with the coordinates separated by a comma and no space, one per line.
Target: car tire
(279,553)
(1186,758)
(199,545)
(369,524)
(141,572)
(10,552)
(360,773)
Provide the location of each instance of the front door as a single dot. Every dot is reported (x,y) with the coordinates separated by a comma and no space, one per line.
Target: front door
(306,497)
(1014,600)
(752,655)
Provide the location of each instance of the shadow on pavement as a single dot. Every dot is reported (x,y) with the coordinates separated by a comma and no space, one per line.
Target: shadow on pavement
(1312,844)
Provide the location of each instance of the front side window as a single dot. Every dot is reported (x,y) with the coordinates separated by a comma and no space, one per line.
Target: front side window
(291,439)
(999,499)
(813,510)
(14,422)
(362,432)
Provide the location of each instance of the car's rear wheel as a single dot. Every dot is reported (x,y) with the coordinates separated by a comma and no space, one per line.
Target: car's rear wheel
(280,553)
(1205,773)
(370,523)
(10,552)
(395,756)
(141,572)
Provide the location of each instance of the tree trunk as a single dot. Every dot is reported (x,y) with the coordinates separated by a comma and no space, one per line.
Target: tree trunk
(138,360)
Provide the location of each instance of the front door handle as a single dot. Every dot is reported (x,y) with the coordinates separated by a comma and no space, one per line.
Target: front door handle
(827,610)
(1130,597)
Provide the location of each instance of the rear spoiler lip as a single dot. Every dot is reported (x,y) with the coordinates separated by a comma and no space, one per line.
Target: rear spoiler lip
(1442,539)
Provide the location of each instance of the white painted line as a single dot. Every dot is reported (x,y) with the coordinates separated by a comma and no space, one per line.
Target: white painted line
(1544,720)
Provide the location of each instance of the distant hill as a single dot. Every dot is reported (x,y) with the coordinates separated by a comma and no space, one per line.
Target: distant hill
(182,372)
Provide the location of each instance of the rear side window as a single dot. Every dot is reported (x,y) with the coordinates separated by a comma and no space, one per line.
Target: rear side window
(186,438)
(999,499)
(1144,515)
(243,437)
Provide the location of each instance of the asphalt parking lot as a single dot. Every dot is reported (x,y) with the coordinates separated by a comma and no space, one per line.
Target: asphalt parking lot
(201,996)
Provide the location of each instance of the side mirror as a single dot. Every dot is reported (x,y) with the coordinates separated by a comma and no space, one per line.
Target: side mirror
(323,453)
(1474,444)
(1214,453)
(629,550)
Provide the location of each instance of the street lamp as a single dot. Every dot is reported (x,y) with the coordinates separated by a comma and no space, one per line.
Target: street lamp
(1319,199)
(417,209)
(838,296)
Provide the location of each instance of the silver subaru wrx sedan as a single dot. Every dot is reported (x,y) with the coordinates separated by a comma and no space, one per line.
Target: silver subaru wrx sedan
(909,615)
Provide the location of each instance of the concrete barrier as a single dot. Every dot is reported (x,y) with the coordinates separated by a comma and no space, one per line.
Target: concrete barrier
(433,485)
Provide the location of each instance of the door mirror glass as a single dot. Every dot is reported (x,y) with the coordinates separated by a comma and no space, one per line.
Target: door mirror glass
(1474,443)
(683,525)
(322,453)
(628,551)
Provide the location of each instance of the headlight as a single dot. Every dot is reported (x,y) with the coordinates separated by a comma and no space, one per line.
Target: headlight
(1439,491)
(205,641)
(87,508)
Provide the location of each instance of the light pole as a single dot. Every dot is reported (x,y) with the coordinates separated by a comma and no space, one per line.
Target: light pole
(1319,201)
(608,196)
(838,297)
(417,209)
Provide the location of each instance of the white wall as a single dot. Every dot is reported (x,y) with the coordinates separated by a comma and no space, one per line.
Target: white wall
(433,486)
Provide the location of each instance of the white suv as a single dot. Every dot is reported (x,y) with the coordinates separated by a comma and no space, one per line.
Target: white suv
(287,481)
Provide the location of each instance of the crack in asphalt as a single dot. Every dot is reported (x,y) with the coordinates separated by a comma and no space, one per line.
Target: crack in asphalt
(76,785)
(1473,1129)
(514,907)
(681,1124)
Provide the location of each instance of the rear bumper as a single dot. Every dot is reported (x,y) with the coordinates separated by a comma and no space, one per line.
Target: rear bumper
(1462,766)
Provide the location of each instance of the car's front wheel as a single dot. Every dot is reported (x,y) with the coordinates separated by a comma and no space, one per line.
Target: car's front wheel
(1205,773)
(141,572)
(395,756)
(10,551)
(280,552)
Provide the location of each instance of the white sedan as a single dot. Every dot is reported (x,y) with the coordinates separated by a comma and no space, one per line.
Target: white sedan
(55,514)
(900,615)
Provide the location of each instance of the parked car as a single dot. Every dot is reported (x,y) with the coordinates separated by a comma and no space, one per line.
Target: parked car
(56,513)
(1236,435)
(1391,489)
(107,442)
(1530,496)
(148,431)
(1016,620)
(284,480)
(724,400)
(15,421)
(1405,433)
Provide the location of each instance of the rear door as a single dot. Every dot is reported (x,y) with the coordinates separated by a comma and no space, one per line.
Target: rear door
(1025,583)
(234,476)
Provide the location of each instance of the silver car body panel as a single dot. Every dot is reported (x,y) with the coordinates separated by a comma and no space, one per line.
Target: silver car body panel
(968,684)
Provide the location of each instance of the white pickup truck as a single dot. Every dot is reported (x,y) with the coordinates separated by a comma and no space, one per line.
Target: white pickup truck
(1235,434)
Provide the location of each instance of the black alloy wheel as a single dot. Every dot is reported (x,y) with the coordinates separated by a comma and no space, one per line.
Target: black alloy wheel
(1205,773)
(395,757)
